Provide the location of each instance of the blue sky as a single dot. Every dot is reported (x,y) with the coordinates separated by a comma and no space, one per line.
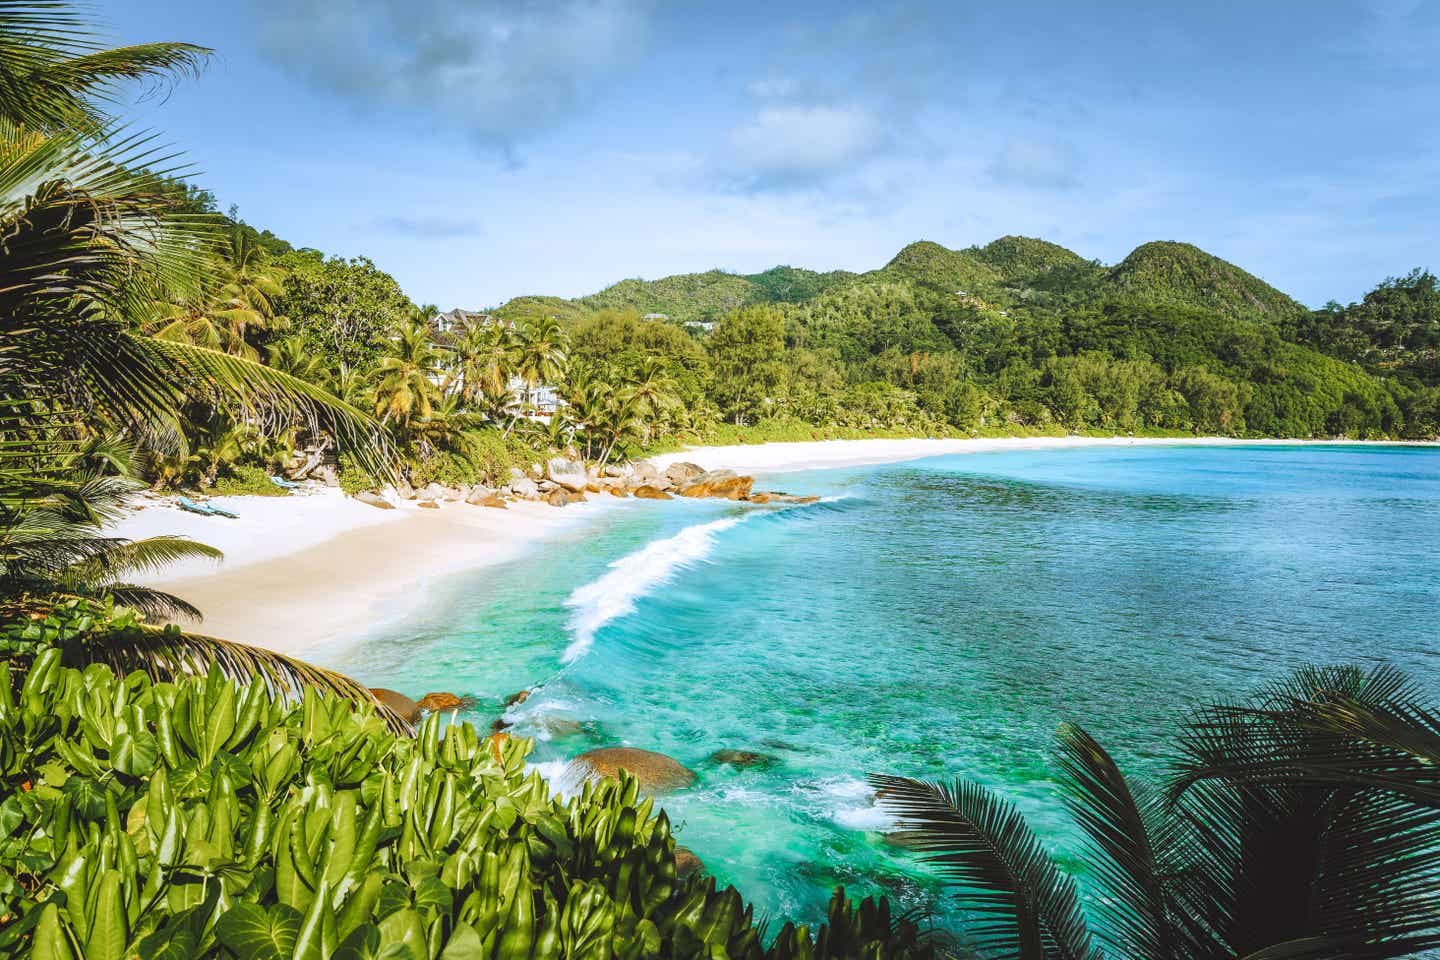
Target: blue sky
(480,150)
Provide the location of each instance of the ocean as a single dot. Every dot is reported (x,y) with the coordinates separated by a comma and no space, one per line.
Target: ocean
(937,618)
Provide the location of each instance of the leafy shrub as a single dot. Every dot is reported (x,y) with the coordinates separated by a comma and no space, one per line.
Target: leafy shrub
(206,819)
(247,481)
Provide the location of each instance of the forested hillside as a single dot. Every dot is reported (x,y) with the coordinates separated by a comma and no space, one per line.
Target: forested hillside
(1025,334)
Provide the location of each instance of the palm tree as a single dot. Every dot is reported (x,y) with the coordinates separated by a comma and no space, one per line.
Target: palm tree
(653,389)
(486,360)
(93,238)
(408,383)
(239,303)
(621,421)
(1302,824)
(540,356)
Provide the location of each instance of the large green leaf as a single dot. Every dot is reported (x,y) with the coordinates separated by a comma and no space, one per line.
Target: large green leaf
(257,933)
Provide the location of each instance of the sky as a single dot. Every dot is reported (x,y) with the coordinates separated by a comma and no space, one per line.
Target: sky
(481,150)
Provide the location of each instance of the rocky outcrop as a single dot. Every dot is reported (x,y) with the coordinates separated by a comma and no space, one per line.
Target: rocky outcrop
(560,497)
(718,483)
(398,702)
(743,758)
(374,500)
(525,488)
(427,504)
(645,474)
(654,772)
(569,474)
(478,495)
(681,472)
(648,492)
(435,702)
(495,501)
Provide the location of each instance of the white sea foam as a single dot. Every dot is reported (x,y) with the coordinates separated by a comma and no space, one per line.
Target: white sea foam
(850,803)
(634,576)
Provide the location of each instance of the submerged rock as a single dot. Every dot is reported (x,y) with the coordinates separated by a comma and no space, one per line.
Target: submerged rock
(743,758)
(718,483)
(775,496)
(654,772)
(648,492)
(518,698)
(569,474)
(435,702)
(398,702)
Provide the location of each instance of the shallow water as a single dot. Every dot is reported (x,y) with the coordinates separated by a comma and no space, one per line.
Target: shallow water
(938,619)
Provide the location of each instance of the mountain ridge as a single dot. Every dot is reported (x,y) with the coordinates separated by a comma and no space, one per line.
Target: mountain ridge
(1007,271)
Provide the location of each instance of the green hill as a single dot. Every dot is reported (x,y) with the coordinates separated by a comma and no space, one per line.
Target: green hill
(1180,273)
(1026,258)
(931,264)
(1010,271)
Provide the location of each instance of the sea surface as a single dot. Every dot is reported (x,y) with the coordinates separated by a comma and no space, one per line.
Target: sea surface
(937,619)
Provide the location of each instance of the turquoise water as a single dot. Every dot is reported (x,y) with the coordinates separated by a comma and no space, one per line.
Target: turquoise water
(937,619)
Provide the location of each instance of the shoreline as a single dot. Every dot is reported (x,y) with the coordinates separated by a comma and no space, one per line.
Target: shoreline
(319,570)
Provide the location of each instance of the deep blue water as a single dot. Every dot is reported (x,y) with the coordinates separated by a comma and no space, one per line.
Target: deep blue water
(937,618)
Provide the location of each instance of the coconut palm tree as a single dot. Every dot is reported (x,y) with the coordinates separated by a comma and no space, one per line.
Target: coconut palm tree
(92,239)
(1303,823)
(239,303)
(540,356)
(486,360)
(408,380)
(653,389)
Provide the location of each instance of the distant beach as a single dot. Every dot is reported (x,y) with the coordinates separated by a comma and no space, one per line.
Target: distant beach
(317,568)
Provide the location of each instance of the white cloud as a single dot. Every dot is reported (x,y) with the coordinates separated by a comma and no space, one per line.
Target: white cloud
(794,145)
(500,70)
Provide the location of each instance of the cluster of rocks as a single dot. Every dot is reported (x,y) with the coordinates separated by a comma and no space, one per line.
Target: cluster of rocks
(562,481)
(413,710)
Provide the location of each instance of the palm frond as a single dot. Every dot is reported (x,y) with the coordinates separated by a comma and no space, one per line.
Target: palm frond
(54,74)
(1301,833)
(164,654)
(1022,904)
(1125,825)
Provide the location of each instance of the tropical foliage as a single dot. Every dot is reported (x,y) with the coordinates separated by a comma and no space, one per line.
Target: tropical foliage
(97,241)
(205,819)
(1302,823)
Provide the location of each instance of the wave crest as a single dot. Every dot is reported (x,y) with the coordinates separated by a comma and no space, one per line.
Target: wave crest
(632,577)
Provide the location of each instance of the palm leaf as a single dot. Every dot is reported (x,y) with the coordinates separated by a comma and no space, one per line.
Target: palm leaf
(1139,855)
(1021,903)
(165,654)
(1301,839)
(54,75)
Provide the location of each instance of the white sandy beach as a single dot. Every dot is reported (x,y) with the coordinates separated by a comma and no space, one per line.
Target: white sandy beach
(316,568)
